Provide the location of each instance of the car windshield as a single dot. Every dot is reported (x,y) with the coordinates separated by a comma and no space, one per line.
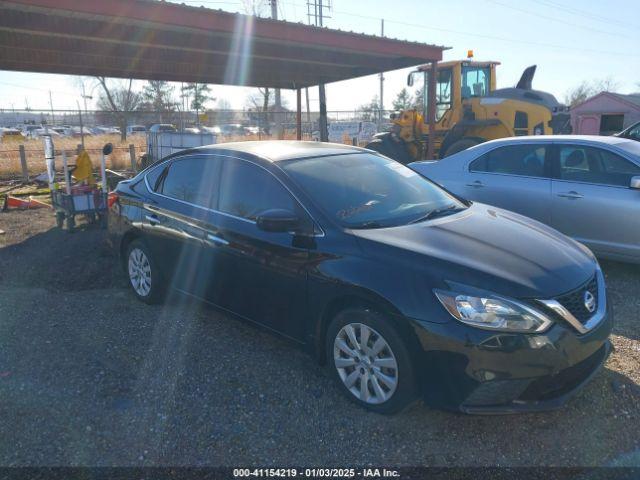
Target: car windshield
(363,190)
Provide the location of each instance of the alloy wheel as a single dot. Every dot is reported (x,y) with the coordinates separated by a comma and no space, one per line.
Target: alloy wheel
(140,272)
(365,363)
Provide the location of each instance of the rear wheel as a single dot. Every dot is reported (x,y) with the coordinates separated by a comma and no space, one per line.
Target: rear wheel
(144,277)
(370,361)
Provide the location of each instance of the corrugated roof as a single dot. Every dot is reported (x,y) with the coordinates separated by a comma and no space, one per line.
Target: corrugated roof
(147,39)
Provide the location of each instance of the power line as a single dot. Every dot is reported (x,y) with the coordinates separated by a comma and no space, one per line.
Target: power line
(490,37)
(39,89)
(585,14)
(555,19)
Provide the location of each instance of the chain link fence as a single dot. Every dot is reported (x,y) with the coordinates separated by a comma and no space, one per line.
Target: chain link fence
(21,131)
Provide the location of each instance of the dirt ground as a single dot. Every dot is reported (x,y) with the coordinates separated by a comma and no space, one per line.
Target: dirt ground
(90,376)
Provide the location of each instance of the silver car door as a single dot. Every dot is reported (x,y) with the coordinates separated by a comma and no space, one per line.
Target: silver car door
(592,201)
(515,177)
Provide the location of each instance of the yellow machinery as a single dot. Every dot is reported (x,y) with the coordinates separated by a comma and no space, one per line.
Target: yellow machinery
(468,110)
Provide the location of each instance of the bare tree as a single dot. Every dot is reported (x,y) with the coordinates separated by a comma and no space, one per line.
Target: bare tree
(260,101)
(606,85)
(586,89)
(371,111)
(120,100)
(578,94)
(254,7)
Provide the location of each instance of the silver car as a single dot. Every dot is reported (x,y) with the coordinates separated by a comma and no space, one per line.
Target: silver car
(587,187)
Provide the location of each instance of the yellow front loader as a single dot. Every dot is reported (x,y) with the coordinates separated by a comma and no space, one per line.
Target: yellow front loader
(468,110)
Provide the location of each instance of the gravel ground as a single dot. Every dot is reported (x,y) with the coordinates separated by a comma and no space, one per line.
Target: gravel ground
(90,376)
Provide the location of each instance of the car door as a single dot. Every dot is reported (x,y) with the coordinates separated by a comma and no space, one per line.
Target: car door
(176,220)
(515,177)
(261,275)
(592,201)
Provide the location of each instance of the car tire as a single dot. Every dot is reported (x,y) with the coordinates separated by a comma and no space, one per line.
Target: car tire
(389,377)
(145,278)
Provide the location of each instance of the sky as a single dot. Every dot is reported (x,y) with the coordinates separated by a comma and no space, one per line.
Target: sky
(570,41)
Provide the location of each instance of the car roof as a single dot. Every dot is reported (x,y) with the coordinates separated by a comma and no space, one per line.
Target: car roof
(278,150)
(561,138)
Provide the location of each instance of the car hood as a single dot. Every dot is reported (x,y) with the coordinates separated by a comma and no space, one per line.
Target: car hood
(488,248)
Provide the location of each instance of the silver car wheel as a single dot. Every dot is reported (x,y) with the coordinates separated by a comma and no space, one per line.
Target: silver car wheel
(140,272)
(365,363)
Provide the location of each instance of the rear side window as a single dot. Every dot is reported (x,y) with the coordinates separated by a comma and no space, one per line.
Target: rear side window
(246,190)
(193,180)
(580,163)
(525,160)
(154,177)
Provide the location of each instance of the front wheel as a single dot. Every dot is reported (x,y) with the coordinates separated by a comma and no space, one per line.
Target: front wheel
(144,277)
(370,361)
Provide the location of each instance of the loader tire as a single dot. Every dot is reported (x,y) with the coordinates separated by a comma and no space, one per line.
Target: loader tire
(461,145)
(391,149)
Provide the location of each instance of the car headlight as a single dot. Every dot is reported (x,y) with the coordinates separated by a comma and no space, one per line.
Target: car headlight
(493,312)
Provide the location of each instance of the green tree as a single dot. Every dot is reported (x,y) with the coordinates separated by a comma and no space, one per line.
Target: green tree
(157,95)
(403,100)
(199,94)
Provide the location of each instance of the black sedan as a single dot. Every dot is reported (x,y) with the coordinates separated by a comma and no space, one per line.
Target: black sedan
(404,289)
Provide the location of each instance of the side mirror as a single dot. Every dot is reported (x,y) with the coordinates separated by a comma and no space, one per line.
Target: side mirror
(635,182)
(278,220)
(107,149)
(410,79)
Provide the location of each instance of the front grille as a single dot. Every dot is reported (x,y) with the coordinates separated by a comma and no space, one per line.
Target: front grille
(574,301)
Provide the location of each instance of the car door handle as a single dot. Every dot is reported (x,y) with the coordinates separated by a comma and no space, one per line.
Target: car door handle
(571,195)
(476,184)
(220,241)
(152,219)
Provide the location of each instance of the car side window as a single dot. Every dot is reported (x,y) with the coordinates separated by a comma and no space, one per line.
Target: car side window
(525,160)
(580,163)
(246,190)
(193,180)
(154,177)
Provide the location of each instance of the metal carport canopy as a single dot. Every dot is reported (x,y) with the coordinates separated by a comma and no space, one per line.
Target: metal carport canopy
(153,40)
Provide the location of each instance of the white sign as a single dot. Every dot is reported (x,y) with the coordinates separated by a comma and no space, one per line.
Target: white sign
(345,131)
(339,130)
(367,131)
(161,144)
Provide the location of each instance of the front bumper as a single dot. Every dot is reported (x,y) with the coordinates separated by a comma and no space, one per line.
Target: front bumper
(483,372)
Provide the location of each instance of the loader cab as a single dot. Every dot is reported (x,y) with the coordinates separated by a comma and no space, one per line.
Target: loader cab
(457,82)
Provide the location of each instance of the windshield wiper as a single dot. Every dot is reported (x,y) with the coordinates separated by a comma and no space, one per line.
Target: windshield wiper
(438,212)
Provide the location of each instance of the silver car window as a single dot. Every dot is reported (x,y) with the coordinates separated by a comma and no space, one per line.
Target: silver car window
(580,163)
(522,159)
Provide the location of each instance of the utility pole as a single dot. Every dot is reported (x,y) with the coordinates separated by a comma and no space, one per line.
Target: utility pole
(324,133)
(85,97)
(51,105)
(81,125)
(278,99)
(381,81)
